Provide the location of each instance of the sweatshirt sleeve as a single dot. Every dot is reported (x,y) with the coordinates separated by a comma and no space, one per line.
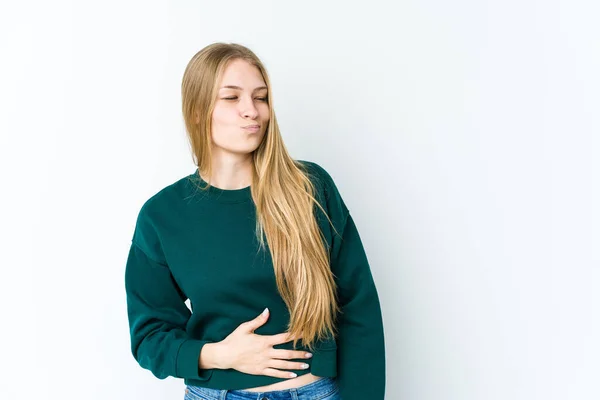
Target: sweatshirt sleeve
(157,312)
(361,348)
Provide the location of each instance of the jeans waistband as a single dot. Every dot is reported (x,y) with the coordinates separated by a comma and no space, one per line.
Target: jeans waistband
(315,390)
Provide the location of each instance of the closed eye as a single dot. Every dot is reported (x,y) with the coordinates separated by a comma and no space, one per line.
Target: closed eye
(235,97)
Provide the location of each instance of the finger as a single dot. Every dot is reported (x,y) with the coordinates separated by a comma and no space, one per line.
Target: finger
(283,354)
(258,321)
(282,364)
(278,374)
(281,338)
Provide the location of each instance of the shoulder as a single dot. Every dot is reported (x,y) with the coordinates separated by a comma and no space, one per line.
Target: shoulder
(325,184)
(312,167)
(166,199)
(157,209)
(320,176)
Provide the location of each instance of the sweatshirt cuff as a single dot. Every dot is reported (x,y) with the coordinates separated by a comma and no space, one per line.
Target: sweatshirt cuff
(188,361)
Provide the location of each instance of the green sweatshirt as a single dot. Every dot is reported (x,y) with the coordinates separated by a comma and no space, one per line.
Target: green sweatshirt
(201,246)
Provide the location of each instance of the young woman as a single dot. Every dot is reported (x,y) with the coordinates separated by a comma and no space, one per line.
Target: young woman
(251,229)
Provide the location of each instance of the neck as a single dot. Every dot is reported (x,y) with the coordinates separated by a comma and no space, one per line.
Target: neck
(230,173)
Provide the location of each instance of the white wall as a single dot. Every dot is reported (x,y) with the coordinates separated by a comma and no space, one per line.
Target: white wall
(463,136)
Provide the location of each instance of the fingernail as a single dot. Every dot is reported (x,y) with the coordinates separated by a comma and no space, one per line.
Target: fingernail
(266,311)
(293,375)
(308,355)
(304,366)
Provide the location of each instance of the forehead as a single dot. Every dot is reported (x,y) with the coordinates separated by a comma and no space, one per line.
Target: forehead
(242,74)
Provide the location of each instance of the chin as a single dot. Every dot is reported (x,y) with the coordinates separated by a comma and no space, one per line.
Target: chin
(245,148)
(243,151)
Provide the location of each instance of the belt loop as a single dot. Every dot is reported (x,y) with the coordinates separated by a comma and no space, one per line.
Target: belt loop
(223,394)
(294,392)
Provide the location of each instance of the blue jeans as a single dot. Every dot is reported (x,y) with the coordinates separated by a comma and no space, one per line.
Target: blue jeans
(322,389)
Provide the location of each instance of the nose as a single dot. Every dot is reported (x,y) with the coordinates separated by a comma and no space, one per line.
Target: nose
(248,109)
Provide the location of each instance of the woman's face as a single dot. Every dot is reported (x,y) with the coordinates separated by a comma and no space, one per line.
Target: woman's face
(241,101)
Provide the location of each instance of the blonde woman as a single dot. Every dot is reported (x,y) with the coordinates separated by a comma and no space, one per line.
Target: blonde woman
(251,229)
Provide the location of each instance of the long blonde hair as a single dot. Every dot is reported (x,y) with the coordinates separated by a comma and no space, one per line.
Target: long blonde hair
(282,192)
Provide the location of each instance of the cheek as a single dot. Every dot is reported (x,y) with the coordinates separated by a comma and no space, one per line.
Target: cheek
(264,111)
(222,116)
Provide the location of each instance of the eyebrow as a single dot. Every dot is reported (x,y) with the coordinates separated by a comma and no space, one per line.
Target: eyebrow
(239,88)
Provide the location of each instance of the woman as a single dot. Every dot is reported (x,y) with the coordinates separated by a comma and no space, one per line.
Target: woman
(251,229)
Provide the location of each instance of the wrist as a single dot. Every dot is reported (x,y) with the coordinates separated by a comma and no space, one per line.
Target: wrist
(214,355)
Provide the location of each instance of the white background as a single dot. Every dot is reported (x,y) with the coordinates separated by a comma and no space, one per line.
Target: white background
(462,135)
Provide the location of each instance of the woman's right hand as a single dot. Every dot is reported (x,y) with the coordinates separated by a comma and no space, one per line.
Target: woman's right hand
(254,354)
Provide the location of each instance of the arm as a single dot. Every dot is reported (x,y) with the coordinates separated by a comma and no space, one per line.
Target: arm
(361,347)
(157,312)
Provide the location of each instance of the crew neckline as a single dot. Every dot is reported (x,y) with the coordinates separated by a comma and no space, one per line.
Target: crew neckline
(221,195)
